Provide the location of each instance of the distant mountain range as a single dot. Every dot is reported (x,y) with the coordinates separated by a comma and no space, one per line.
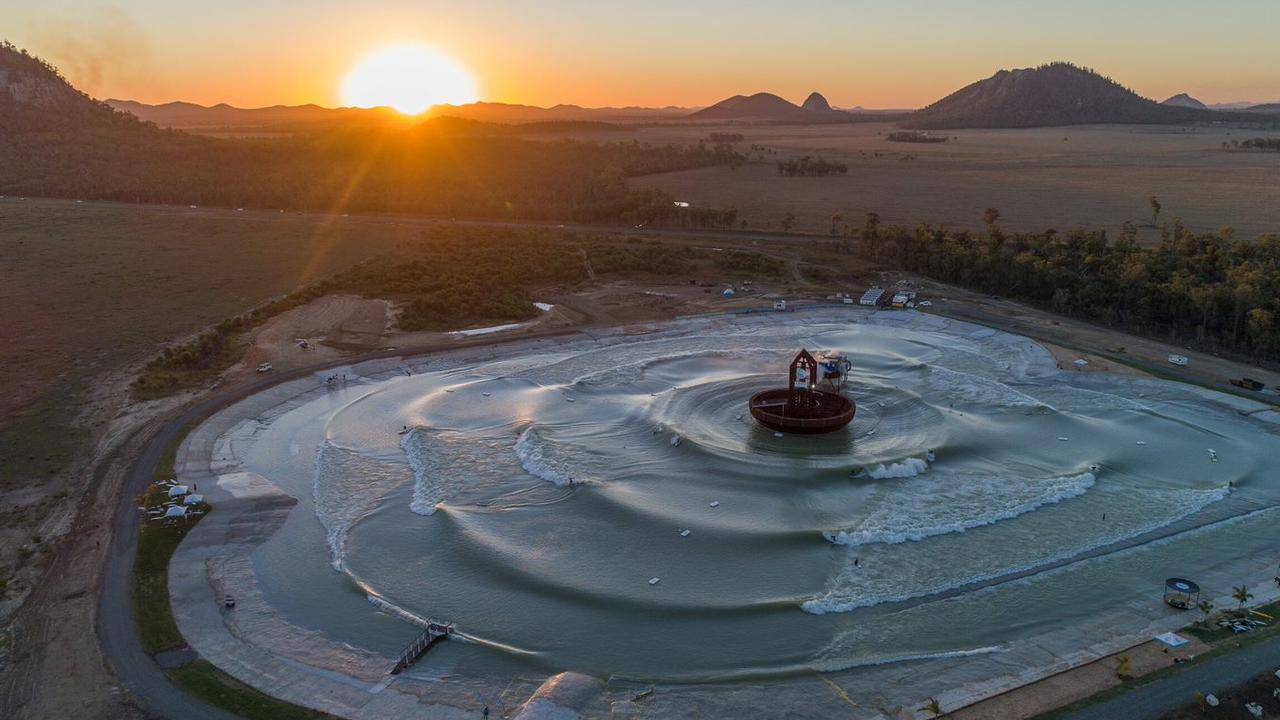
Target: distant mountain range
(282,118)
(1049,95)
(1055,94)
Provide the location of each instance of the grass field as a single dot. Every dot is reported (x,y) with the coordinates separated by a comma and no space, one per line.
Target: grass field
(89,288)
(1092,176)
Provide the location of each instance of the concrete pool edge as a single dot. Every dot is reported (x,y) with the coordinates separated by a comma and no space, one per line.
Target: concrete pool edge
(239,524)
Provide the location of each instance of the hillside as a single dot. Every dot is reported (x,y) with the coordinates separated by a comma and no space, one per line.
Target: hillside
(1264,108)
(57,142)
(1054,94)
(33,96)
(1185,100)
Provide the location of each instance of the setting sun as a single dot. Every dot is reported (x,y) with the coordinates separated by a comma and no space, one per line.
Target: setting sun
(409,78)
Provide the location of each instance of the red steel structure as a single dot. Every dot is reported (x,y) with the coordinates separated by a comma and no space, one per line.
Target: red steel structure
(802,407)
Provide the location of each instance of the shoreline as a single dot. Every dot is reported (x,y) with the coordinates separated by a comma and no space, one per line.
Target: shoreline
(332,690)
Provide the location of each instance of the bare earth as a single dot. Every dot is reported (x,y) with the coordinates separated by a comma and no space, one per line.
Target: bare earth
(1097,176)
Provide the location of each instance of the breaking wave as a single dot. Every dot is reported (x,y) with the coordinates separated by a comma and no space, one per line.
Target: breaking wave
(533,453)
(848,592)
(913,518)
(910,467)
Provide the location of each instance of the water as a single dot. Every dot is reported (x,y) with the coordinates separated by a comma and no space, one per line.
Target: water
(537,494)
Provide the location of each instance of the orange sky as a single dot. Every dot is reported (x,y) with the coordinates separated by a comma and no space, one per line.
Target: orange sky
(875,54)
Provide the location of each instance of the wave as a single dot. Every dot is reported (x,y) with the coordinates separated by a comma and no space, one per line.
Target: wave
(392,609)
(426,493)
(979,390)
(843,599)
(347,487)
(909,467)
(847,664)
(893,527)
(532,451)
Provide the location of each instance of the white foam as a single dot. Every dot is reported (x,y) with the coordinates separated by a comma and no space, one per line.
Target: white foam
(532,451)
(847,593)
(392,609)
(832,665)
(346,487)
(907,521)
(909,467)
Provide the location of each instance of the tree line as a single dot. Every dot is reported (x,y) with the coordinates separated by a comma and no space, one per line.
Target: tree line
(1258,143)
(808,166)
(1209,288)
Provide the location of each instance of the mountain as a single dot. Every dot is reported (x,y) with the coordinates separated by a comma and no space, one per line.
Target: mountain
(1055,94)
(816,103)
(1185,100)
(761,107)
(301,118)
(769,108)
(1264,108)
(34,97)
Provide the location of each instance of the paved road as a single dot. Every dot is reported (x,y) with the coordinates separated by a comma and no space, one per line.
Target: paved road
(117,633)
(1165,696)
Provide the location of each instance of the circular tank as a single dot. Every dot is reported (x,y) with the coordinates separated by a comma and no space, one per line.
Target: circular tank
(815,412)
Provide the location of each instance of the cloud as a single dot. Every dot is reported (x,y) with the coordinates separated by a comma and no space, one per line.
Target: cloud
(96,50)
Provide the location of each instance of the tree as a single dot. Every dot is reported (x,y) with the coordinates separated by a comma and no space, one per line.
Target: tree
(1155,209)
(1124,667)
(871,230)
(990,216)
(1205,607)
(933,708)
(787,221)
(1242,595)
(1262,330)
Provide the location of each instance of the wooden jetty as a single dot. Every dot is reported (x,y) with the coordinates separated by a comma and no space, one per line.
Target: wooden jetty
(434,633)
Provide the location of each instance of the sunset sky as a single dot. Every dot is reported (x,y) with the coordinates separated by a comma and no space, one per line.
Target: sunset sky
(661,52)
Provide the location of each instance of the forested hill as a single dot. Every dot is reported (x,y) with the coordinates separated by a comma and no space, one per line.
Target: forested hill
(56,141)
(1049,95)
(34,97)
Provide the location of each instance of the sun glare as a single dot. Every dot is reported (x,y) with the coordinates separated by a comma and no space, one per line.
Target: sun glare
(409,78)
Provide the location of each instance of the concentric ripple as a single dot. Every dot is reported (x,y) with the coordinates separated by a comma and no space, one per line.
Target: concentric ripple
(609,505)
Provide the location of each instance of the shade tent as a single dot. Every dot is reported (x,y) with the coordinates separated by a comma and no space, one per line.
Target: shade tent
(178,491)
(177,511)
(192,499)
(1181,593)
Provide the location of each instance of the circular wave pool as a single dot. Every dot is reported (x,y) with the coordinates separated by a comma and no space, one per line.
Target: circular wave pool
(979,496)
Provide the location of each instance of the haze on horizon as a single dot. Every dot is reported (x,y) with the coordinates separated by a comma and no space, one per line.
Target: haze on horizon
(873,54)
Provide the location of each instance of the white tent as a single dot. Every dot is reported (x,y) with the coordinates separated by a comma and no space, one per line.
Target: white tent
(177,491)
(192,499)
(177,511)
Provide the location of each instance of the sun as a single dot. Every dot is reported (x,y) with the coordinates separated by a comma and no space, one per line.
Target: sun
(409,78)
